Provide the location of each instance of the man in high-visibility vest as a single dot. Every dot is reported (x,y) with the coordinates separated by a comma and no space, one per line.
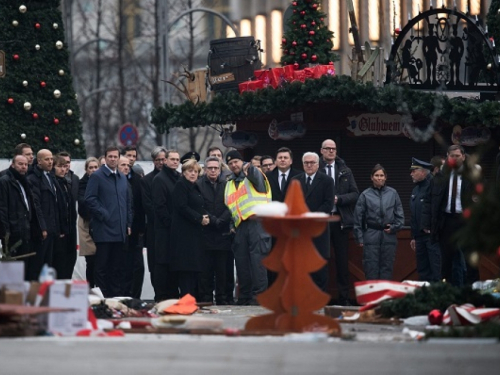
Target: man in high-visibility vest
(246,188)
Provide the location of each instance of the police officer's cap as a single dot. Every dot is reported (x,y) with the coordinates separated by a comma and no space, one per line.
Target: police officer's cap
(190,155)
(233,155)
(417,164)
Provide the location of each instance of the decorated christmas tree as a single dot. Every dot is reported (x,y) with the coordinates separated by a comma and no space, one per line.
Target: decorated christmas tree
(493,20)
(308,40)
(37,102)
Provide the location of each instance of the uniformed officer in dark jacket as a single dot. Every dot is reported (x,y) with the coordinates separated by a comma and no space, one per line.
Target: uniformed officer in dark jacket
(427,253)
(216,239)
(20,214)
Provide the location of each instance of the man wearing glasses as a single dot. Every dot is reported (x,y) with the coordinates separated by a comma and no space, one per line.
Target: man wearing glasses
(345,194)
(317,189)
(267,163)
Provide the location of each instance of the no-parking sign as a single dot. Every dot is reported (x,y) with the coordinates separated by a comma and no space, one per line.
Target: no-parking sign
(128,135)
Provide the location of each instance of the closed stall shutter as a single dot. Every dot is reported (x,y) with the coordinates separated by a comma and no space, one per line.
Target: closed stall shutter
(394,153)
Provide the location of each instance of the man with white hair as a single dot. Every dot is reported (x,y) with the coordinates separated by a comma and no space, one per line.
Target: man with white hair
(317,189)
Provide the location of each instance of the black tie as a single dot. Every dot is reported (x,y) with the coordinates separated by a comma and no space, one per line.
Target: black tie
(283,183)
(329,166)
(454,186)
(308,183)
(50,182)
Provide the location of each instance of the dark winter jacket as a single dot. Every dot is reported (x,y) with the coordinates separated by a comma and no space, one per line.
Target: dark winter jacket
(216,234)
(67,207)
(110,206)
(345,189)
(47,196)
(73,184)
(139,220)
(186,233)
(162,190)
(418,195)
(15,218)
(374,210)
(148,205)
(83,210)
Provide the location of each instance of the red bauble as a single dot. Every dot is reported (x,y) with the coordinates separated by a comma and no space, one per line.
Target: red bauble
(56,121)
(313,23)
(35,116)
(296,66)
(314,6)
(303,13)
(311,32)
(310,43)
(466,213)
(435,317)
(295,11)
(283,41)
(15,57)
(321,19)
(43,84)
(314,57)
(397,30)
(37,26)
(330,63)
(452,163)
(10,101)
(294,3)
(294,43)
(46,139)
(303,26)
(328,40)
(304,56)
(479,188)
(285,52)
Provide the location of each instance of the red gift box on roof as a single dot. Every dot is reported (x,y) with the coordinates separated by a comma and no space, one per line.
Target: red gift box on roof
(251,85)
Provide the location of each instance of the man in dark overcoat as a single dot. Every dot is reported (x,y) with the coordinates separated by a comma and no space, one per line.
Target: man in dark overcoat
(317,189)
(162,189)
(280,177)
(159,156)
(216,239)
(107,198)
(20,214)
(345,195)
(45,189)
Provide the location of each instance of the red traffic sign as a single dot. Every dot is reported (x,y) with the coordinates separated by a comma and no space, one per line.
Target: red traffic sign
(128,135)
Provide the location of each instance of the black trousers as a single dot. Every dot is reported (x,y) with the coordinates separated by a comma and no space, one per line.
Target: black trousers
(90,270)
(44,255)
(166,283)
(109,260)
(214,263)
(64,256)
(320,277)
(230,278)
(452,224)
(134,266)
(188,283)
(340,240)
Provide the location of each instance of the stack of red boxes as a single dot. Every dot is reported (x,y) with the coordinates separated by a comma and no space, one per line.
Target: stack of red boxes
(276,77)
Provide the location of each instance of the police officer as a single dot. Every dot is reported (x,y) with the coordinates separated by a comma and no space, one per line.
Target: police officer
(428,254)
(246,188)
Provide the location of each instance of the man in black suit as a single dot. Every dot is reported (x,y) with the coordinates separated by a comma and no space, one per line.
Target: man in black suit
(451,192)
(280,177)
(345,194)
(317,188)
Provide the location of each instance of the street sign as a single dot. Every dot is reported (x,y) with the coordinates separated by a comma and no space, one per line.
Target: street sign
(128,135)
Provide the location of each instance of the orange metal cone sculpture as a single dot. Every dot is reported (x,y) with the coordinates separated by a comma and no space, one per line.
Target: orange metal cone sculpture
(294,297)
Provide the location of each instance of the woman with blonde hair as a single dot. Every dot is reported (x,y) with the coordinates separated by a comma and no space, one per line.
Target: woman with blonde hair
(189,218)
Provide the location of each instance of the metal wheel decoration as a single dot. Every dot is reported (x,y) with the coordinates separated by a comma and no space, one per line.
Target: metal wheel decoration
(446,48)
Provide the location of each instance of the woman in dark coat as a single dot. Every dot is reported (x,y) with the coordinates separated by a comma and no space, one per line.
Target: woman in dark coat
(189,217)
(87,245)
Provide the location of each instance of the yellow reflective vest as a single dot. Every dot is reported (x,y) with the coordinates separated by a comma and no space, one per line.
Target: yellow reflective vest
(242,200)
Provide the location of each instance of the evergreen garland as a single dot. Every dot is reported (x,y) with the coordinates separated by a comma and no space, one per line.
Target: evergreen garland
(437,296)
(297,96)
